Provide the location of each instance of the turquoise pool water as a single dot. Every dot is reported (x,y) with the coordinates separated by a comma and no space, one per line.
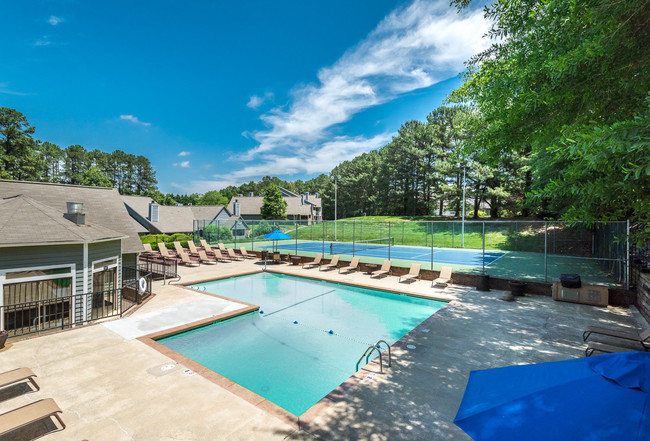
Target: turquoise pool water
(294,365)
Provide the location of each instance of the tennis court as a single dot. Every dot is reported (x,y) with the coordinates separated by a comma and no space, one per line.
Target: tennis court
(383,249)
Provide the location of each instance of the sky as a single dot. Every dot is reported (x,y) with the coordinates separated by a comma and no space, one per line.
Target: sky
(220,93)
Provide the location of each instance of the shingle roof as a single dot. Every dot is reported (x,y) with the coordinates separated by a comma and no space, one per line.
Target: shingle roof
(25,221)
(172,219)
(103,206)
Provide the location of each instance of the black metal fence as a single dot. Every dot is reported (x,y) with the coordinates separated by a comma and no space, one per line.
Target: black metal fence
(160,268)
(43,315)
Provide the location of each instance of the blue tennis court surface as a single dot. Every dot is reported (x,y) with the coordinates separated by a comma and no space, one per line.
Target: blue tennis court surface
(440,255)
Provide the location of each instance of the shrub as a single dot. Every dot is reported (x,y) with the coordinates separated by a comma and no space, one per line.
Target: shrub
(262,228)
(216,233)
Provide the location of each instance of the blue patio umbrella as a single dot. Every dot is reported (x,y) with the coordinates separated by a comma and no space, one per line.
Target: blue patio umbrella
(276,235)
(606,397)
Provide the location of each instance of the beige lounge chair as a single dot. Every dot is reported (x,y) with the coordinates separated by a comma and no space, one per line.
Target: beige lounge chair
(185,260)
(206,246)
(604,348)
(333,264)
(148,249)
(220,257)
(204,258)
(641,337)
(444,278)
(28,414)
(179,249)
(354,265)
(222,248)
(16,376)
(315,262)
(164,251)
(384,271)
(194,251)
(232,255)
(414,273)
(245,254)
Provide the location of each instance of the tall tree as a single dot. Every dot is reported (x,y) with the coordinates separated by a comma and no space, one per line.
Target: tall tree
(567,81)
(273,205)
(18,156)
(75,162)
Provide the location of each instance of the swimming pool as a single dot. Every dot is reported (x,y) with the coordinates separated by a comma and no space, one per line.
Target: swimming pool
(286,353)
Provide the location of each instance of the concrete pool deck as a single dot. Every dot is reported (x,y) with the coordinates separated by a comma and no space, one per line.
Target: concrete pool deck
(111,386)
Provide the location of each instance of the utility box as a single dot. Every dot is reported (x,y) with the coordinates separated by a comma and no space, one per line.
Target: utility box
(590,293)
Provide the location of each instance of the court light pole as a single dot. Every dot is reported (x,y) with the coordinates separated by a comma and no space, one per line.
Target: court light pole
(462,234)
(335,205)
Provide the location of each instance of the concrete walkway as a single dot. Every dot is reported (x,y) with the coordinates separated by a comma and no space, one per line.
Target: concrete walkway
(112,387)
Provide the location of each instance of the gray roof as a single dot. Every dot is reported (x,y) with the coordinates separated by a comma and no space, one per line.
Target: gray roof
(171,219)
(103,207)
(25,221)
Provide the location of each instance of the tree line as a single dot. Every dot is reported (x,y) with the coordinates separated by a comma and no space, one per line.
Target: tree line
(24,158)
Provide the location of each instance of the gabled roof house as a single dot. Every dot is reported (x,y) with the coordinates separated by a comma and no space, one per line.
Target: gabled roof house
(62,244)
(303,207)
(165,219)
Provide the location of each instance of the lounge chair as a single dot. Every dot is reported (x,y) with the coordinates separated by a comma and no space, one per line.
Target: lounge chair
(179,249)
(204,258)
(354,265)
(245,254)
(194,251)
(384,271)
(414,273)
(148,249)
(16,376)
(30,413)
(185,260)
(206,246)
(315,262)
(220,257)
(604,348)
(641,337)
(164,252)
(222,248)
(232,255)
(444,278)
(333,264)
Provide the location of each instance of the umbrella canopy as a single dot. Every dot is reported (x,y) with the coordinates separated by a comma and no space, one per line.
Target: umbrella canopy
(277,235)
(606,397)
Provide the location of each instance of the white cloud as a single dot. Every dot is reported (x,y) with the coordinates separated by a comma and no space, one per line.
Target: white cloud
(54,20)
(4,88)
(184,154)
(256,101)
(413,47)
(43,41)
(185,164)
(134,120)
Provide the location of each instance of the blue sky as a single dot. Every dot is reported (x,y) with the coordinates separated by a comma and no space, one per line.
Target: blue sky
(221,93)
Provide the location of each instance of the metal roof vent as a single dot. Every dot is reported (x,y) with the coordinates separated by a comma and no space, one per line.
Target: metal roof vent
(75,213)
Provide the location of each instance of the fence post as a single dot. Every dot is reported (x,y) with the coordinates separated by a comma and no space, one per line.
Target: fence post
(431,225)
(627,257)
(402,233)
(296,239)
(252,236)
(323,237)
(483,247)
(354,225)
(389,240)
(545,251)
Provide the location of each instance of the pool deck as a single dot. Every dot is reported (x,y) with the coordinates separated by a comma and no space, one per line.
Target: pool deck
(112,386)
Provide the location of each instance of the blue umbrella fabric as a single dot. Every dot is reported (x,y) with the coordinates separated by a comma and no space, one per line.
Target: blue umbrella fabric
(601,398)
(276,235)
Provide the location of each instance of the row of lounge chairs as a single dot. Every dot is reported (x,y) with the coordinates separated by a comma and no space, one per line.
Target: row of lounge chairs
(614,340)
(12,421)
(194,256)
(413,275)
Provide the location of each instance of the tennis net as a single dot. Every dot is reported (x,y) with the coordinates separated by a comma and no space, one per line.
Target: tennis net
(361,245)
